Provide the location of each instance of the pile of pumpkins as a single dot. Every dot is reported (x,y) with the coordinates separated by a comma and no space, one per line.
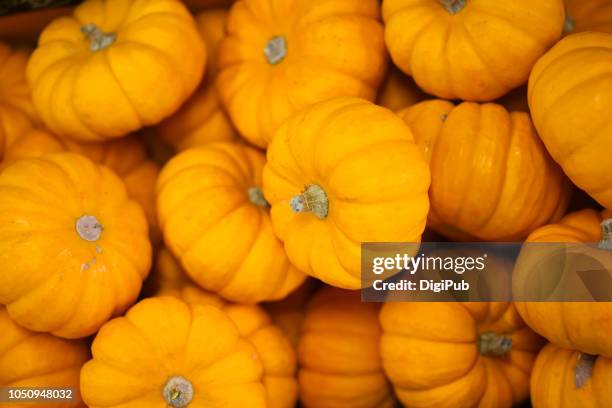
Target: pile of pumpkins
(184,188)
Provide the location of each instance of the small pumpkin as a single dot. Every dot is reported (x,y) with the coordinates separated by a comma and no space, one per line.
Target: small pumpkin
(216,221)
(340,173)
(338,351)
(115,66)
(457,354)
(278,58)
(398,91)
(571,108)
(563,377)
(492,178)
(288,313)
(73,248)
(16,110)
(582,326)
(588,15)
(127,157)
(202,119)
(167,353)
(275,352)
(474,50)
(29,359)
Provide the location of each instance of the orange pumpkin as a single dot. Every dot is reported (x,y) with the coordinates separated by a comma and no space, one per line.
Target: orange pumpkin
(288,313)
(115,66)
(398,91)
(73,248)
(201,119)
(475,50)
(457,354)
(278,58)
(492,178)
(216,221)
(29,359)
(588,15)
(167,353)
(582,326)
(127,157)
(570,97)
(563,377)
(253,323)
(338,351)
(16,110)
(336,176)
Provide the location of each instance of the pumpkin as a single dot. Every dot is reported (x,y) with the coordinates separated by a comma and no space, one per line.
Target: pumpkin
(474,50)
(588,15)
(127,157)
(167,353)
(398,91)
(563,377)
(253,323)
(16,110)
(288,313)
(280,57)
(450,354)
(73,248)
(570,98)
(492,178)
(115,66)
(582,326)
(26,27)
(339,173)
(216,221)
(338,352)
(202,119)
(29,359)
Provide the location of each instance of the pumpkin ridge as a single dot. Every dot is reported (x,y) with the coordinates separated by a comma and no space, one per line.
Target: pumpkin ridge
(121,88)
(53,122)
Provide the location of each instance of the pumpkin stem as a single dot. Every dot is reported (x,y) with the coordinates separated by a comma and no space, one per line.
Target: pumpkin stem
(453,6)
(493,344)
(256,196)
(569,24)
(313,200)
(276,49)
(98,39)
(606,234)
(178,392)
(584,369)
(89,228)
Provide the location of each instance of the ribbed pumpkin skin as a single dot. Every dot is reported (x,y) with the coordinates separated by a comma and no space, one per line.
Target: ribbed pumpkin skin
(202,119)
(478,54)
(16,109)
(582,326)
(224,241)
(430,353)
(333,48)
(108,93)
(492,178)
(588,15)
(276,353)
(398,91)
(570,96)
(338,351)
(127,157)
(29,359)
(134,356)
(53,279)
(552,381)
(363,157)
